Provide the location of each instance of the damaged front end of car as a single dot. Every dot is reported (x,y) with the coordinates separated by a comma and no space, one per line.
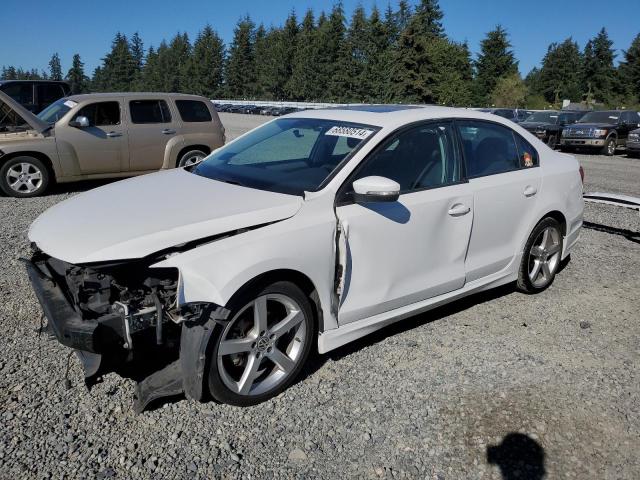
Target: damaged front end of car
(125,317)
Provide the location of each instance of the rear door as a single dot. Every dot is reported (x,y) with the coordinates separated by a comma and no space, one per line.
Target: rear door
(102,146)
(152,125)
(503,174)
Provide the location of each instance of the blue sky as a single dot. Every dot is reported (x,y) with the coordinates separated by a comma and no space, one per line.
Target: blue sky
(33,30)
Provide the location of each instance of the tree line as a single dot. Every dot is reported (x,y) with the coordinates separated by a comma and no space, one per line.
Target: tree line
(400,55)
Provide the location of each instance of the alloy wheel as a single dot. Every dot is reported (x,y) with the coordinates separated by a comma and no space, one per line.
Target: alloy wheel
(544,257)
(24,177)
(611,147)
(262,345)
(192,159)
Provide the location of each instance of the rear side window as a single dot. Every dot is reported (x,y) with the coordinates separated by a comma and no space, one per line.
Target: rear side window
(20,92)
(48,94)
(193,111)
(149,111)
(527,154)
(101,114)
(488,148)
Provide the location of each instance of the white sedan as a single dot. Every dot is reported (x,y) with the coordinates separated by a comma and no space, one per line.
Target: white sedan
(314,229)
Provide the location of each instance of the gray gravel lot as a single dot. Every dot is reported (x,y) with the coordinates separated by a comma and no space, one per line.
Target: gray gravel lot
(426,398)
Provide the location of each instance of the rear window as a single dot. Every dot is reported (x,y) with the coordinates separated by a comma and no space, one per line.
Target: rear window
(193,111)
(149,111)
(49,93)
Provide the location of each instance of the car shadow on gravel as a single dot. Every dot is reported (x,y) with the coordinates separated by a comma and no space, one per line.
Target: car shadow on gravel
(519,457)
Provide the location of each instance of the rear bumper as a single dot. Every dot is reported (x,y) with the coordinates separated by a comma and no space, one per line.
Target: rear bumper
(71,330)
(583,142)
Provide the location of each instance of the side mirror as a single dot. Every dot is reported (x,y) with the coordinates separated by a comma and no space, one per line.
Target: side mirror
(375,189)
(79,122)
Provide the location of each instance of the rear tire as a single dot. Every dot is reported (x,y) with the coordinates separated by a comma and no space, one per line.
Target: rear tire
(261,350)
(24,177)
(541,257)
(191,158)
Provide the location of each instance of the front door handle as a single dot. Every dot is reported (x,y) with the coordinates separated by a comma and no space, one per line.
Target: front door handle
(458,210)
(168,131)
(530,191)
(114,134)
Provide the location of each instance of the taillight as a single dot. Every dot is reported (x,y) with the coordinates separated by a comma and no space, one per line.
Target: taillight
(582,174)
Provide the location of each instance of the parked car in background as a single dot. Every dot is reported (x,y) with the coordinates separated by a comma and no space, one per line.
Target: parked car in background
(604,131)
(514,114)
(35,95)
(548,125)
(316,228)
(102,135)
(633,143)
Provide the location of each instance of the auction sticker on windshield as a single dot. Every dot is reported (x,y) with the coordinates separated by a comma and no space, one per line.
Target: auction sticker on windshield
(350,132)
(70,103)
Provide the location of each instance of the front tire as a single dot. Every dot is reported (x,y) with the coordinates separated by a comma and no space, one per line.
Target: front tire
(609,148)
(24,177)
(262,349)
(541,257)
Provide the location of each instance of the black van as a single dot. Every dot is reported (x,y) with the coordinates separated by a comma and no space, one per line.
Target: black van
(35,95)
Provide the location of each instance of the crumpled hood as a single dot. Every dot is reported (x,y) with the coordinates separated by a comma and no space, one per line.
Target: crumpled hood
(137,217)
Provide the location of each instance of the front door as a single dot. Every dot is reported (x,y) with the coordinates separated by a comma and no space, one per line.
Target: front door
(102,146)
(151,126)
(402,252)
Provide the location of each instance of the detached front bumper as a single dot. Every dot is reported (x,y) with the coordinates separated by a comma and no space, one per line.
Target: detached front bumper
(582,142)
(71,330)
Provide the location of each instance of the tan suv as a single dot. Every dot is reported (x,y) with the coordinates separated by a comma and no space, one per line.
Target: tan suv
(102,135)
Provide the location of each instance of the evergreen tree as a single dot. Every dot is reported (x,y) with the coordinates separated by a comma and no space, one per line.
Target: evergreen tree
(9,73)
(378,53)
(305,83)
(175,64)
(598,73)
(55,69)
(496,60)
(117,72)
(453,75)
(207,63)
(353,59)
(510,91)
(76,77)
(240,75)
(151,79)
(414,72)
(560,72)
(331,37)
(137,53)
(630,70)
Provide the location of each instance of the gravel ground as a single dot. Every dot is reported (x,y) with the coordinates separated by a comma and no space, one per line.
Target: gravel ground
(548,381)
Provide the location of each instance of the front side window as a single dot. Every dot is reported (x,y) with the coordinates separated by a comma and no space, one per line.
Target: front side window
(488,148)
(101,114)
(418,158)
(288,155)
(149,111)
(193,111)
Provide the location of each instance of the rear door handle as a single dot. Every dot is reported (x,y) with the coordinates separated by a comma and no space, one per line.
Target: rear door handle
(530,191)
(114,134)
(168,131)
(458,210)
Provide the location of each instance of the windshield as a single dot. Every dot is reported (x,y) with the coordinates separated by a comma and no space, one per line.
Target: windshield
(289,155)
(600,117)
(56,110)
(543,117)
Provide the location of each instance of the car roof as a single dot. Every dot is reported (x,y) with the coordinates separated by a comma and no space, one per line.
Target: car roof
(92,96)
(393,116)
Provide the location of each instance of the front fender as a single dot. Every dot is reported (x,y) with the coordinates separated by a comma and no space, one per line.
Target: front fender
(214,272)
